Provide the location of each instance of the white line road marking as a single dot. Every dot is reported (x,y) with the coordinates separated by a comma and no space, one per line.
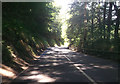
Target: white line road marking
(89,78)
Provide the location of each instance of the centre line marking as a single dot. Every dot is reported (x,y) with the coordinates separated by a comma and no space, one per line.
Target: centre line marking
(89,78)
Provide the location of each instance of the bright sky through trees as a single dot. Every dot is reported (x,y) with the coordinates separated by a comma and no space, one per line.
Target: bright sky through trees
(63,15)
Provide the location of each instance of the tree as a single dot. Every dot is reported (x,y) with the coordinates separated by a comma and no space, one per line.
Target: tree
(104,20)
(95,25)
(116,35)
(109,20)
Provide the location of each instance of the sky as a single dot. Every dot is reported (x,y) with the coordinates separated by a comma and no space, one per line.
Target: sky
(63,15)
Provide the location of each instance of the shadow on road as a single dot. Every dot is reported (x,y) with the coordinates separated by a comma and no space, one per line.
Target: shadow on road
(52,66)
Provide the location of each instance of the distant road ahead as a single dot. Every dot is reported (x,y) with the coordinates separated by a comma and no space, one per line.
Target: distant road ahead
(58,64)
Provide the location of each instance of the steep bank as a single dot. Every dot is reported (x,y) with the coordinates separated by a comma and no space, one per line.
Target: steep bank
(27,29)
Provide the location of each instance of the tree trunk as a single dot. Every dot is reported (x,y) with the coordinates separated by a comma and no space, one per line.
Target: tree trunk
(117,22)
(99,20)
(109,20)
(92,25)
(104,21)
(85,27)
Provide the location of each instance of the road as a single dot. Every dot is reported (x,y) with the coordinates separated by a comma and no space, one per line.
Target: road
(58,64)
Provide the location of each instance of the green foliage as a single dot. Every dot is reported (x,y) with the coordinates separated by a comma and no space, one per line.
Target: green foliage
(92,28)
(26,28)
(6,55)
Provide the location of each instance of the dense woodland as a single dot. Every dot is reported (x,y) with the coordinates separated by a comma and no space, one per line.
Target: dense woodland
(28,29)
(94,28)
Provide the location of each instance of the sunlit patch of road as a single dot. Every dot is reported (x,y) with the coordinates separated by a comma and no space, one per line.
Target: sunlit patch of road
(59,64)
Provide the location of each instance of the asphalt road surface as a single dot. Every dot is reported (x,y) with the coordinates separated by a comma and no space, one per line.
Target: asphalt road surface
(58,64)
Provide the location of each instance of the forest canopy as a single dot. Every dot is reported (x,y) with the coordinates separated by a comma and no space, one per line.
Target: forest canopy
(29,27)
(94,28)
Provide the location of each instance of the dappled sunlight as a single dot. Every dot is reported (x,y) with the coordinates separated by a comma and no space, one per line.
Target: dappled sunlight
(49,68)
(45,78)
(20,61)
(93,66)
(96,66)
(79,65)
(65,51)
(79,59)
(7,71)
(40,78)
(54,66)
(24,67)
(45,65)
(10,48)
(86,68)
(50,52)
(56,45)
(31,30)
(57,73)
(17,59)
(103,67)
(30,49)
(34,72)
(23,64)
(6,67)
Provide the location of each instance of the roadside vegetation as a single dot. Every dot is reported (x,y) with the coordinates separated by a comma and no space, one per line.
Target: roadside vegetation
(27,30)
(94,28)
